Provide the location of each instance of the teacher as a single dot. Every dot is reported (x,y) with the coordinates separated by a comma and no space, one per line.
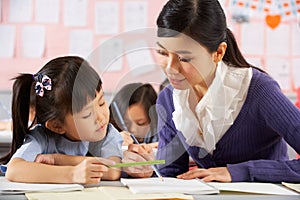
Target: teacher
(230,117)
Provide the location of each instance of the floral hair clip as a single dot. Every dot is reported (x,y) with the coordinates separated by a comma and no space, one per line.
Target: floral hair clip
(43,82)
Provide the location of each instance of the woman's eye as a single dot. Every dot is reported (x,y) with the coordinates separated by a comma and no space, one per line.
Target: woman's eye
(87,116)
(161,52)
(184,59)
(101,104)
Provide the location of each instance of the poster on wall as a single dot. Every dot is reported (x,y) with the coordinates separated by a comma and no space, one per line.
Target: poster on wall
(81,42)
(33,41)
(107,18)
(47,11)
(7,41)
(75,12)
(20,11)
(135,15)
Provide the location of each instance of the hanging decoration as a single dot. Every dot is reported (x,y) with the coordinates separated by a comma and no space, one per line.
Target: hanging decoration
(273,11)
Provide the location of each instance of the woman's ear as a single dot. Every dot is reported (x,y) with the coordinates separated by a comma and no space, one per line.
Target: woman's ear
(55,126)
(219,54)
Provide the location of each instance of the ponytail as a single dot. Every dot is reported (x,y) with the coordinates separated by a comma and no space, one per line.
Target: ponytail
(233,55)
(20,112)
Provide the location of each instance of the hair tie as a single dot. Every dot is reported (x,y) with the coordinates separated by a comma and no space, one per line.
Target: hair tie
(43,82)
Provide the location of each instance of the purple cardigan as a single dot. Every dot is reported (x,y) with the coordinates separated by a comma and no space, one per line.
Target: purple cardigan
(253,148)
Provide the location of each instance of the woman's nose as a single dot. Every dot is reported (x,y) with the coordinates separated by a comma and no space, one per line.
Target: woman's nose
(173,64)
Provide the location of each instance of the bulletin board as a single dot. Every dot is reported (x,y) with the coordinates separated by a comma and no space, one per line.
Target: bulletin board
(34,31)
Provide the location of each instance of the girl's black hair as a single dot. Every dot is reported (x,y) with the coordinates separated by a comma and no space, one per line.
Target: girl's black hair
(134,93)
(205,22)
(74,84)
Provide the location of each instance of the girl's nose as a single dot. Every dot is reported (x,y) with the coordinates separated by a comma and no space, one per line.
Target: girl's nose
(173,64)
(133,128)
(98,115)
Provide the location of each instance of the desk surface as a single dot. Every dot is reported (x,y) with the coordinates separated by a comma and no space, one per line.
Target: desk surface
(221,196)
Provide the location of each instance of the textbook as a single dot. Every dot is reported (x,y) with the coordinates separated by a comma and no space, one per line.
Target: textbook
(168,185)
(8,187)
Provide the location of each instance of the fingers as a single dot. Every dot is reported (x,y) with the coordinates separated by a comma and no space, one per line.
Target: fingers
(220,174)
(103,161)
(126,138)
(140,148)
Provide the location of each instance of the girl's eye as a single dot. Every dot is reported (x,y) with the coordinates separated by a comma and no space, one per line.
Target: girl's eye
(87,116)
(161,52)
(101,104)
(184,59)
(142,124)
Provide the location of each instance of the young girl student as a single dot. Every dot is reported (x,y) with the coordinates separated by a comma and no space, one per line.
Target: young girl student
(72,120)
(136,102)
(229,116)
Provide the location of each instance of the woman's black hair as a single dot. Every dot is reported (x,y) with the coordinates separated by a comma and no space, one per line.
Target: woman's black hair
(135,93)
(205,22)
(74,84)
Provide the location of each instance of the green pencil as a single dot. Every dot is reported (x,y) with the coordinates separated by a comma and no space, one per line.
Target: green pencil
(150,162)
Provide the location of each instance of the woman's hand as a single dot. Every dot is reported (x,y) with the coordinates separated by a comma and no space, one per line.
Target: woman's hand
(45,159)
(126,138)
(90,170)
(220,174)
(138,153)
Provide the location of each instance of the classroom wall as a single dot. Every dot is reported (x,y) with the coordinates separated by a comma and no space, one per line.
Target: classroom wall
(104,31)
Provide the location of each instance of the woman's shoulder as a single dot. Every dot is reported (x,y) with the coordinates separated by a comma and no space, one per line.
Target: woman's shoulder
(262,81)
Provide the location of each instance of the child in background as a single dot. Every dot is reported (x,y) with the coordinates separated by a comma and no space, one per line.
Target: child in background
(72,119)
(136,102)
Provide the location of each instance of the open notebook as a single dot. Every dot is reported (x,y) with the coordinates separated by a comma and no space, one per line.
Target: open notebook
(8,187)
(168,185)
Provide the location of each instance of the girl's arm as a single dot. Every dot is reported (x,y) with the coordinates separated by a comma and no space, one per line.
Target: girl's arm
(63,160)
(89,171)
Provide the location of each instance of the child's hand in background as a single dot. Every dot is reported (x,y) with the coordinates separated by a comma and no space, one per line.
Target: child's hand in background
(126,138)
(138,153)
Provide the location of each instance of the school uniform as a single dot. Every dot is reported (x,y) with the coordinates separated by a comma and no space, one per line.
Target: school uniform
(253,147)
(42,141)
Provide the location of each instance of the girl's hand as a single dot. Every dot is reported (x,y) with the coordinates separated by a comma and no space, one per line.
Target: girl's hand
(220,174)
(45,159)
(90,170)
(126,138)
(138,153)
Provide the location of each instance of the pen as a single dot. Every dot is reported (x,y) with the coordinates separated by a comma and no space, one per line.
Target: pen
(123,122)
(131,135)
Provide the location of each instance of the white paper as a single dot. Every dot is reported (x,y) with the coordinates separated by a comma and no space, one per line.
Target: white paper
(279,69)
(20,10)
(33,41)
(139,57)
(278,40)
(107,17)
(252,42)
(258,188)
(168,185)
(110,55)
(75,12)
(135,15)
(47,11)
(296,39)
(296,71)
(14,187)
(7,41)
(81,42)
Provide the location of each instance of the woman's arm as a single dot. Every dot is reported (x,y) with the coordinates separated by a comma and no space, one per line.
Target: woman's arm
(89,171)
